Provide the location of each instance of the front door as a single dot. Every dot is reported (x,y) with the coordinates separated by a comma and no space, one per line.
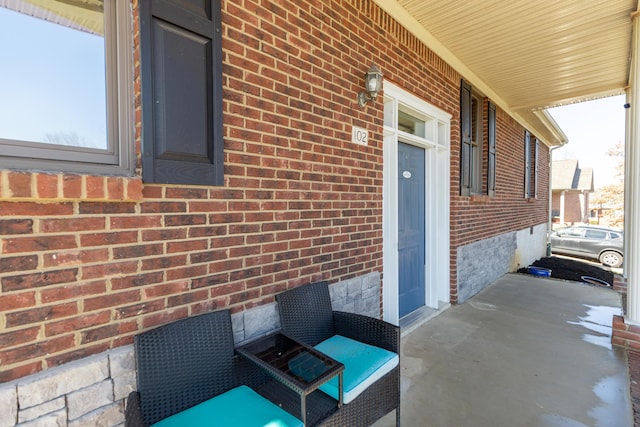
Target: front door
(411,228)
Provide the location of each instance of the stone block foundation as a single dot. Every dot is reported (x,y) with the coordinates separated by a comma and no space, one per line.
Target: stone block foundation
(89,391)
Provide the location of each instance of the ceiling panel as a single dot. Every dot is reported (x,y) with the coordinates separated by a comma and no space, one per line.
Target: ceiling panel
(531,54)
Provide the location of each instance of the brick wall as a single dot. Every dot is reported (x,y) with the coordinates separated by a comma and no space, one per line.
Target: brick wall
(476,218)
(573,208)
(625,335)
(555,202)
(87,262)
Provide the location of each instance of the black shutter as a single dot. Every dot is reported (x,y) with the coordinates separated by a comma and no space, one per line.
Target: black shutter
(465,130)
(535,164)
(527,164)
(181,63)
(491,164)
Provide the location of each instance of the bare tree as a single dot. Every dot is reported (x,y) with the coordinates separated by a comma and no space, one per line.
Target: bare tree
(609,199)
(68,138)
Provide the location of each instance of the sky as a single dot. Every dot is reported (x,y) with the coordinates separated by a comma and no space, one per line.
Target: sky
(592,128)
(52,81)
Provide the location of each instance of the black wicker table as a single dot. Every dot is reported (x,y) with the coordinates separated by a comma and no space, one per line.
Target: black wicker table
(294,364)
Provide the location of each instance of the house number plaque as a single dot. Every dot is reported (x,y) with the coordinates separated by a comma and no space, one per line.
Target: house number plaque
(359,136)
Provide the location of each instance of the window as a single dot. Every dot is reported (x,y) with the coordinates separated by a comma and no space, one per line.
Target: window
(472,144)
(595,234)
(410,124)
(66,86)
(572,232)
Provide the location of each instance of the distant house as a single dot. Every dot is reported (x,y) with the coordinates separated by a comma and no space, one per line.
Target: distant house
(570,186)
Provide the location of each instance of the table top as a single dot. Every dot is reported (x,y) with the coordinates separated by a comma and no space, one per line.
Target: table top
(299,363)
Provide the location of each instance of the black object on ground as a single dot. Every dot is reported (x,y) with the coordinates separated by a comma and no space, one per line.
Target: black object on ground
(570,269)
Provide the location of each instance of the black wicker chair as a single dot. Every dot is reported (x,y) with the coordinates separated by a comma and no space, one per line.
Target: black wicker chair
(306,314)
(188,362)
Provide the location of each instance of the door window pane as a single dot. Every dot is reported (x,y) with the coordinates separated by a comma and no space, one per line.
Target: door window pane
(410,124)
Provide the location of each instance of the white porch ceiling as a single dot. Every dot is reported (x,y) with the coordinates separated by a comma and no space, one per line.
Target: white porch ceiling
(528,55)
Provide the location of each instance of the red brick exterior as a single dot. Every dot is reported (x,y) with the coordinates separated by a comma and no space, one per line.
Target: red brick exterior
(624,335)
(87,262)
(573,206)
(480,217)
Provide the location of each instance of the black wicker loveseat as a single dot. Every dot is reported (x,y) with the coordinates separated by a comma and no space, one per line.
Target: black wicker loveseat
(189,374)
(306,314)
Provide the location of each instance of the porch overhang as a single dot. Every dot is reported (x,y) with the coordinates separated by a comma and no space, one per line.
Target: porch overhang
(528,56)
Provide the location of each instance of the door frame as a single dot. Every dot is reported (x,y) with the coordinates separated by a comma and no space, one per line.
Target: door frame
(436,141)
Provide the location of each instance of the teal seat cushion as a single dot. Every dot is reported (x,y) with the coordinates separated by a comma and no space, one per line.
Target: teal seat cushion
(238,407)
(364,364)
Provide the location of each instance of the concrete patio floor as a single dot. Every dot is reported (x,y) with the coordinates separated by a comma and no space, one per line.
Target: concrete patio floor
(526,351)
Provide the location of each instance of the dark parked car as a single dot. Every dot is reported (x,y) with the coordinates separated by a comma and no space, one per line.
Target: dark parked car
(603,244)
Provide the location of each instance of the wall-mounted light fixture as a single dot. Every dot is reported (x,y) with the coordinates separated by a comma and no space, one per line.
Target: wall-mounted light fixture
(372,85)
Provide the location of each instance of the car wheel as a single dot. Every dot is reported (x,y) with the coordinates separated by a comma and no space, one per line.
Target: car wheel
(611,258)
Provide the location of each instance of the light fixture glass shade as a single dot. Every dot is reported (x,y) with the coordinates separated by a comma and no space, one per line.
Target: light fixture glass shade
(373,81)
(372,85)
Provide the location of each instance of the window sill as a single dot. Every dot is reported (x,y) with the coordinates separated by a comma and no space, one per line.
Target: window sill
(531,200)
(22,186)
(480,198)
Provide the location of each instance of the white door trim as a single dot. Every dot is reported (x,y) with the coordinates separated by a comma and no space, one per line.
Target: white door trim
(435,141)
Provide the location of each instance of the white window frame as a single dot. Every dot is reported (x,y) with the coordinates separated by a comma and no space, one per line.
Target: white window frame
(118,158)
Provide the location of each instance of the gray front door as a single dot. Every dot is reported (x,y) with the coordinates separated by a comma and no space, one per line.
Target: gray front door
(411,228)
